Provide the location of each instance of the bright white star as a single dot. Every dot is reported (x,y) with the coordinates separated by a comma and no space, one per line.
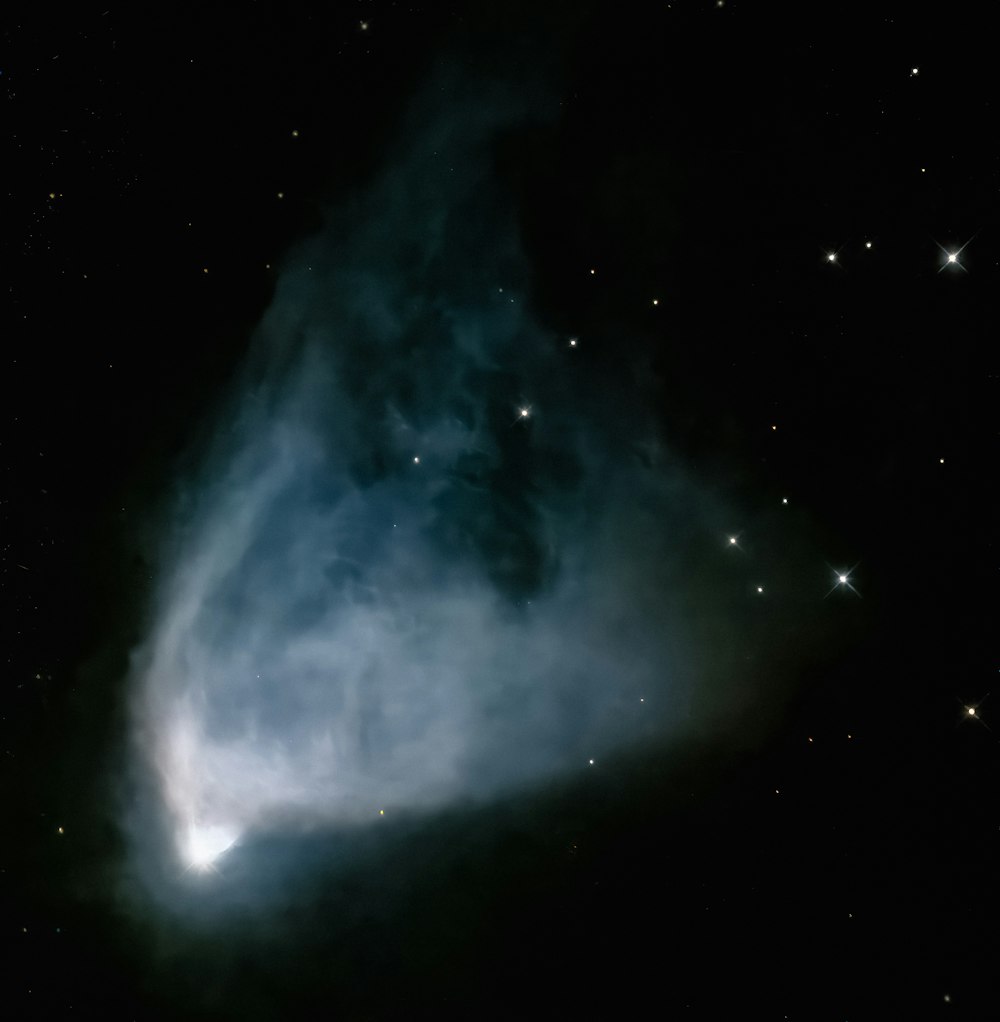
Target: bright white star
(842,578)
(971,712)
(202,844)
(952,256)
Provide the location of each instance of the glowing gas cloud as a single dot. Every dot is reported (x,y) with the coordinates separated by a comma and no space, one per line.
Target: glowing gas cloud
(388,589)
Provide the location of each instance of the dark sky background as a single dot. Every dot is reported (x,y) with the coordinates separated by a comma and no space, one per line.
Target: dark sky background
(263,256)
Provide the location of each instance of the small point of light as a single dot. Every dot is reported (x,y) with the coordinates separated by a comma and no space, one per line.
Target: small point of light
(590,761)
(524,413)
(914,71)
(295,134)
(592,272)
(641,699)
(572,342)
(784,500)
(952,257)
(363,25)
(656,301)
(760,589)
(940,461)
(831,257)
(61,831)
(972,713)
(923,170)
(773,428)
(732,541)
(868,244)
(381,812)
(416,459)
(810,739)
(842,579)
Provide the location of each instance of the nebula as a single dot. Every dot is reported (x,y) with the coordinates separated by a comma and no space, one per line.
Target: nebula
(429,556)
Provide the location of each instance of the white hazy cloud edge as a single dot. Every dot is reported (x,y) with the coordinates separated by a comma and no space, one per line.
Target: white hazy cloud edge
(340,629)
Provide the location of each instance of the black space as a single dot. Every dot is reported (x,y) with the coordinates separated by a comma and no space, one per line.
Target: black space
(831,854)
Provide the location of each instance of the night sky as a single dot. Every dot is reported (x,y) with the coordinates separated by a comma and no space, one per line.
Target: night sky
(497,511)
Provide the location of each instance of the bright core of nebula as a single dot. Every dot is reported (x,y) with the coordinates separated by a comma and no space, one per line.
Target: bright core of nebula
(385,589)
